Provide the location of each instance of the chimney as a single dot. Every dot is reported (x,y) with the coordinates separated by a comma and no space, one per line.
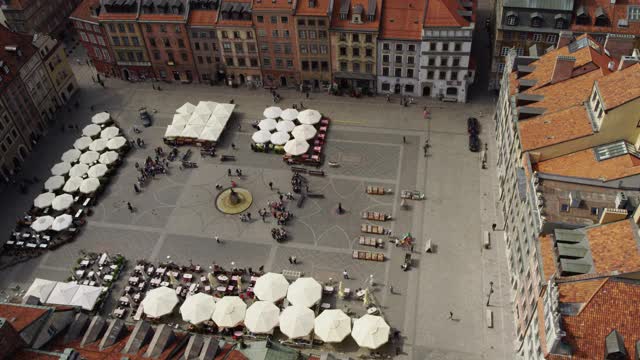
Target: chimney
(619,45)
(610,215)
(563,68)
(564,39)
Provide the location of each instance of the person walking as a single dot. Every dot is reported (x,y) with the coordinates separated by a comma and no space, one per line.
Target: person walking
(270,185)
(404,139)
(390,289)
(217,239)
(450,315)
(233,146)
(345,274)
(425,113)
(307,95)
(294,260)
(229,171)
(290,260)
(130,207)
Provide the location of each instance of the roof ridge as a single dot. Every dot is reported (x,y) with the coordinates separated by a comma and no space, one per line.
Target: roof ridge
(606,280)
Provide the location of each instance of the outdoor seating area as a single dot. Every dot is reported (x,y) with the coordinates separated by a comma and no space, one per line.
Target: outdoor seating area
(200,124)
(77,181)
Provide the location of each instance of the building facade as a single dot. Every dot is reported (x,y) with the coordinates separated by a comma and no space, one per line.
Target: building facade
(277,42)
(49,17)
(312,21)
(204,40)
(39,86)
(57,66)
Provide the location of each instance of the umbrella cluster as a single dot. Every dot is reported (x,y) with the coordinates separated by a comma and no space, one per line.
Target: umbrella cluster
(285,128)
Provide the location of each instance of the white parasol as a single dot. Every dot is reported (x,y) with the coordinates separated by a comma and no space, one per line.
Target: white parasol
(304,292)
(280,137)
(261,317)
(91,130)
(97,171)
(109,157)
(89,157)
(309,117)
(54,183)
(272,112)
(116,143)
(98,145)
(62,202)
(229,311)
(62,222)
(109,132)
(305,132)
(72,185)
(61,168)
(198,308)
(261,137)
(159,301)
(192,131)
(82,143)
(78,170)
(289,114)
(187,108)
(173,131)
(267,124)
(89,185)
(370,331)
(71,155)
(42,223)
(285,125)
(271,287)
(180,119)
(44,200)
(296,321)
(332,325)
(101,118)
(296,147)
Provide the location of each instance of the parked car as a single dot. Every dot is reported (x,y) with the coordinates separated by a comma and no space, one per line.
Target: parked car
(145,117)
(473,126)
(474,143)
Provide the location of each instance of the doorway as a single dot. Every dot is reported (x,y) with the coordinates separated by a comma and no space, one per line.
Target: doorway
(283,81)
(452,91)
(241,78)
(176,76)
(125,74)
(396,89)
(316,84)
(426,91)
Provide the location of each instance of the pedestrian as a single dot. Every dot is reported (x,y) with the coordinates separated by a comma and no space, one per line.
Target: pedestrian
(425,113)
(371,280)
(88,63)
(261,268)
(233,146)
(398,350)
(217,239)
(388,98)
(345,274)
(301,106)
(270,185)
(229,171)
(153,86)
(136,188)
(307,95)
(295,260)
(129,206)
(239,127)
(493,227)
(263,214)
(281,197)
(404,139)
(249,216)
(290,260)
(238,172)
(450,315)
(390,289)
(340,209)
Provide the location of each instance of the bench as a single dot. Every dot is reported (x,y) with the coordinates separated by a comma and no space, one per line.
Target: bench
(489,318)
(428,248)
(298,169)
(316,172)
(486,240)
(227,158)
(367,255)
(315,195)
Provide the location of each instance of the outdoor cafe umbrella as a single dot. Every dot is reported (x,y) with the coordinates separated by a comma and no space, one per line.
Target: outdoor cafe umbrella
(187,108)
(296,147)
(267,124)
(309,117)
(261,137)
(305,291)
(305,132)
(97,171)
(72,185)
(91,130)
(332,325)
(42,223)
(261,317)
(89,186)
(159,301)
(198,308)
(54,183)
(78,170)
(82,143)
(116,143)
(71,155)
(62,222)
(296,321)
(89,157)
(280,137)
(101,118)
(272,112)
(370,331)
(62,202)
(109,157)
(271,287)
(109,132)
(229,312)
(289,114)
(285,125)
(98,145)
(44,200)
(61,168)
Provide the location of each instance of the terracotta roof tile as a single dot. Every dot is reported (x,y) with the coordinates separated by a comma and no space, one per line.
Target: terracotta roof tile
(444,13)
(402,19)
(202,17)
(273,5)
(583,164)
(83,11)
(366,25)
(321,8)
(614,247)
(547,253)
(117,16)
(579,291)
(161,17)
(21,316)
(23,42)
(613,11)
(613,94)
(554,128)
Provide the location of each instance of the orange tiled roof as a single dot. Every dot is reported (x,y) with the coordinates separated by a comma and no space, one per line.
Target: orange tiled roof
(579,291)
(161,17)
(321,8)
(272,5)
(117,16)
(614,95)
(202,17)
(366,25)
(21,316)
(583,164)
(547,253)
(444,13)
(83,11)
(23,41)
(402,19)
(614,13)
(614,248)
(554,128)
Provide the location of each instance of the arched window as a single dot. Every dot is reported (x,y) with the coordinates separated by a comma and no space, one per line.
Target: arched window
(512,20)
(536,21)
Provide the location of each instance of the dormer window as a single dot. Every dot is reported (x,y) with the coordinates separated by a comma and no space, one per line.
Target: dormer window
(343,16)
(582,17)
(597,110)
(356,19)
(561,22)
(536,20)
(601,17)
(512,18)
(356,14)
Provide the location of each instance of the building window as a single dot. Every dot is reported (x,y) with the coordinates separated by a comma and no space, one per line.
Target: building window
(83,36)
(115,40)
(457,47)
(431,61)
(274,33)
(184,56)
(112,28)
(285,33)
(266,62)
(251,47)
(205,46)
(443,61)
(552,38)
(324,65)
(130,28)
(355,52)
(633,13)
(398,72)
(166,42)
(208,58)
(301,22)
(163,28)
(355,38)
(313,34)
(432,46)
(602,20)
(303,49)
(279,63)
(356,67)
(385,59)
(262,33)
(224,35)
(284,19)
(180,43)
(323,49)
(200,60)
(305,66)
(512,20)
(239,48)
(229,61)
(274,19)
(236,35)
(321,22)
(343,66)
(560,23)
(322,34)
(343,51)
(260,18)
(456,62)
(411,60)
(302,34)
(385,71)
(254,62)
(311,22)
(343,37)
(398,47)
(170,56)
(368,52)
(412,48)
(386,86)
(536,21)
(409,73)
(249,35)
(445,46)
(408,88)
(398,59)
(368,38)
(453,75)
(385,46)
(242,62)
(500,68)
(290,64)
(504,51)
(430,75)
(125,41)
(537,37)
(121,28)
(226,47)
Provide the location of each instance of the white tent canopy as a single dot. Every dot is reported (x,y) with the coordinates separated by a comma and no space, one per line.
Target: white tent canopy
(280,138)
(370,331)
(62,293)
(205,107)
(54,183)
(91,130)
(296,147)
(332,325)
(304,292)
(271,287)
(229,312)
(159,302)
(309,117)
(72,185)
(272,112)
(71,155)
(267,124)
(86,297)
(109,132)
(62,202)
(192,131)
(296,321)
(198,308)
(261,137)
(173,131)
(82,143)
(224,110)
(90,157)
(289,114)
(44,200)
(40,288)
(97,171)
(61,168)
(305,132)
(285,125)
(116,142)
(217,121)
(89,185)
(101,118)
(210,133)
(98,145)
(180,119)
(42,223)
(78,170)
(262,317)
(187,108)
(109,157)
(61,222)
(199,119)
